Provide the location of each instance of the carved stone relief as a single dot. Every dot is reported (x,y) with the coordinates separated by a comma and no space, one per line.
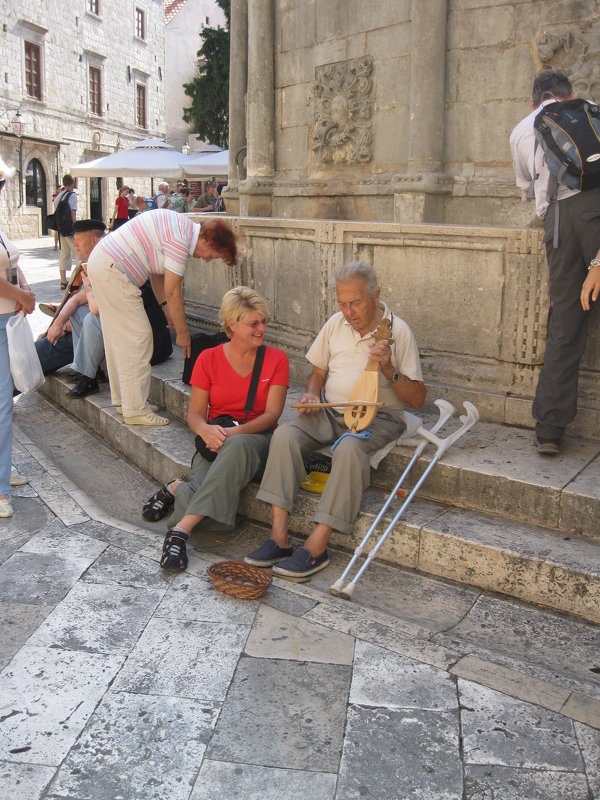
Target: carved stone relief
(343,107)
(576,52)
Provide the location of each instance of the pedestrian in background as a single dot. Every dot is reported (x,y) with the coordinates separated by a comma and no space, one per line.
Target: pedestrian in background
(121,210)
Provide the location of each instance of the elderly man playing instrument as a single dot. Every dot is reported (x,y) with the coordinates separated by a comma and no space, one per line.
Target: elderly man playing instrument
(338,356)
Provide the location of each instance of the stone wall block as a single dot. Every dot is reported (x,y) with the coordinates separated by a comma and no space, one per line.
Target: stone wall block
(297,26)
(294,66)
(338,18)
(291,149)
(531,18)
(487,74)
(479,28)
(393,41)
(295,105)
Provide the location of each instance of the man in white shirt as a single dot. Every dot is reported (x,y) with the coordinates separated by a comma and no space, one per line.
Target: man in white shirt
(338,356)
(555,403)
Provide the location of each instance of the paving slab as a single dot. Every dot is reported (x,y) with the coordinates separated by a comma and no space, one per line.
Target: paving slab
(511,682)
(503,731)
(24,781)
(46,697)
(506,783)
(137,747)
(127,569)
(392,753)
(39,578)
(297,708)
(192,599)
(548,642)
(279,635)
(183,659)
(383,678)
(589,743)
(31,515)
(17,622)
(58,539)
(96,618)
(221,781)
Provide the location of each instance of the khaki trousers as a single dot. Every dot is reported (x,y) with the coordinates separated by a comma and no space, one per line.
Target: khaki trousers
(213,490)
(350,467)
(127,334)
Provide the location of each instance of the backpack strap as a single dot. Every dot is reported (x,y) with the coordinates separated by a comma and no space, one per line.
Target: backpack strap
(256,370)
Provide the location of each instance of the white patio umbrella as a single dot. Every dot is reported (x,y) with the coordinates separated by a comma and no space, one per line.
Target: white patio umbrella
(150,158)
(206,164)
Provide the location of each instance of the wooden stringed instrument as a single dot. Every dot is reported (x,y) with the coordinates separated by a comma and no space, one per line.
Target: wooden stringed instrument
(359,416)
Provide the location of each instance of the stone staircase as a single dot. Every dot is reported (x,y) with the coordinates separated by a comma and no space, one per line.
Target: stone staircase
(492,514)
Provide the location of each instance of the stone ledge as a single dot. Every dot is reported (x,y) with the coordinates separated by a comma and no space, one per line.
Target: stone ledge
(528,562)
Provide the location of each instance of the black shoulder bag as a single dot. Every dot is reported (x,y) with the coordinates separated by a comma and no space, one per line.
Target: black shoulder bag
(227,421)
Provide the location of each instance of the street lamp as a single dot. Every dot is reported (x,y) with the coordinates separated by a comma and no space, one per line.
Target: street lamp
(18,127)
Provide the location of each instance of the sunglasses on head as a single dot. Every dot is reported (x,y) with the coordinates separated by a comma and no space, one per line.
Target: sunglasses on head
(2,182)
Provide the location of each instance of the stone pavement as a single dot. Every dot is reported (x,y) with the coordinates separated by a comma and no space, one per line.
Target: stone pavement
(121,681)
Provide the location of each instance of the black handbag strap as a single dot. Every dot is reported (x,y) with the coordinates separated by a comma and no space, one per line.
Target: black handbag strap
(256,370)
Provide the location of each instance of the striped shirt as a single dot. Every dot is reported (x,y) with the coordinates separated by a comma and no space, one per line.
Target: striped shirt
(151,243)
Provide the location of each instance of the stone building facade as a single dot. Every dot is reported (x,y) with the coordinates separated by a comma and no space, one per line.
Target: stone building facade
(86,78)
(393,111)
(184,22)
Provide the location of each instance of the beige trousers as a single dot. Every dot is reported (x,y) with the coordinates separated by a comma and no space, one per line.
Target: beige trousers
(127,334)
(67,249)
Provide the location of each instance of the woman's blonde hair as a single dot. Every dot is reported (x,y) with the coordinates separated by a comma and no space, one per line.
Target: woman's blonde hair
(237,303)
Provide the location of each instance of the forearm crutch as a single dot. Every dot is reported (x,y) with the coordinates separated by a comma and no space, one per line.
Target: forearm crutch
(446,410)
(429,437)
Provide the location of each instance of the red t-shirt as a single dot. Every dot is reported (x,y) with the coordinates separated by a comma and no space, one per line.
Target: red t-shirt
(122,207)
(227,392)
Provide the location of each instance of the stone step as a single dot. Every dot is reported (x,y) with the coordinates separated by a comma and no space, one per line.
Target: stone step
(529,562)
(494,468)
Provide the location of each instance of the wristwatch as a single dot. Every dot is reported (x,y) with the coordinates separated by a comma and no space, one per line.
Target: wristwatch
(394,378)
(595,262)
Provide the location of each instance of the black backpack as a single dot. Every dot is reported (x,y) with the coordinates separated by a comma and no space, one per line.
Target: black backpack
(569,134)
(62,220)
(200,342)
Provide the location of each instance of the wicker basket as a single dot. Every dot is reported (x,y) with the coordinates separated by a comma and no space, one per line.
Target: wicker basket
(239,580)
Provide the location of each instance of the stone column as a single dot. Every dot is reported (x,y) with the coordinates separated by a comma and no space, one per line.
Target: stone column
(238,82)
(418,193)
(260,117)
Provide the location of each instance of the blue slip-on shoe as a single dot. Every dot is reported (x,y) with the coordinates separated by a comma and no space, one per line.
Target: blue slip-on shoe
(301,565)
(268,554)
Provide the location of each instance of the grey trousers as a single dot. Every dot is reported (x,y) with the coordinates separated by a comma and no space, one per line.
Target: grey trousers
(213,490)
(555,403)
(350,470)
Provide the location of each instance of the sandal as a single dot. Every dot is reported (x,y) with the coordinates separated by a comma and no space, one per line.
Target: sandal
(63,285)
(173,552)
(159,505)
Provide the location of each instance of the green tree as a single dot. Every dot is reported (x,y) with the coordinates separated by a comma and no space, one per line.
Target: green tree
(209,111)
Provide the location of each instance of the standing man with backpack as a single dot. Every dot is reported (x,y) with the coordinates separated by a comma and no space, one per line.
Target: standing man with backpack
(65,214)
(572,238)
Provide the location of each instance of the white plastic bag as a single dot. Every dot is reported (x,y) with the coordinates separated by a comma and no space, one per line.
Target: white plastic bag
(25,366)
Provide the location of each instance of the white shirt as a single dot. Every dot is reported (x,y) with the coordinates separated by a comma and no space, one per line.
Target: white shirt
(522,147)
(344,353)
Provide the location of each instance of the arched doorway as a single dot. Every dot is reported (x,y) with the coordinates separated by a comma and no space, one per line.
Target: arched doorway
(35,190)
